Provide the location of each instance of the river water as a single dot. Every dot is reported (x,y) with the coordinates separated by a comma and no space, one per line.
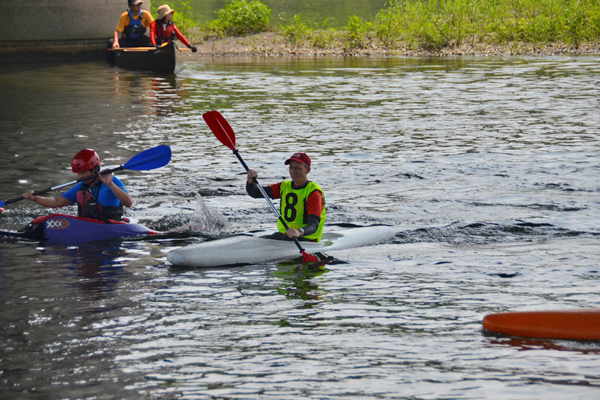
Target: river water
(487,168)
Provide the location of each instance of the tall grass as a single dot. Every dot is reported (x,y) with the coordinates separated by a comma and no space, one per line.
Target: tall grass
(435,24)
(441,23)
(421,24)
(299,33)
(241,17)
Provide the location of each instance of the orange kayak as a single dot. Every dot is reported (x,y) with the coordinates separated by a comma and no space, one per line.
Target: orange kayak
(560,324)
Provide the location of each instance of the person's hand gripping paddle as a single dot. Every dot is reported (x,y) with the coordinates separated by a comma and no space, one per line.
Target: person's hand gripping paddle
(153,158)
(223,131)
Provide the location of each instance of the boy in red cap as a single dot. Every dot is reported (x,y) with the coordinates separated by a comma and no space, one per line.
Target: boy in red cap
(302,201)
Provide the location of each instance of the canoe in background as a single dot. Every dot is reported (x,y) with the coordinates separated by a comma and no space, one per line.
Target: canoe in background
(167,59)
(61,228)
(581,324)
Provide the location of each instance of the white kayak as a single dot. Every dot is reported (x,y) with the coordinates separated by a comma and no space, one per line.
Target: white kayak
(249,249)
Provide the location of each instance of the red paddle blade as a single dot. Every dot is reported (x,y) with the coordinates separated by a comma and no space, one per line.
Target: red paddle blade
(309,258)
(221,128)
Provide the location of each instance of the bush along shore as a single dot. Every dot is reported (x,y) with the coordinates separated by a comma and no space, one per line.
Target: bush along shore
(407,28)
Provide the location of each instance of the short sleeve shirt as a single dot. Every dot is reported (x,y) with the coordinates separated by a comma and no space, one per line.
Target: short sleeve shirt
(124,20)
(105,196)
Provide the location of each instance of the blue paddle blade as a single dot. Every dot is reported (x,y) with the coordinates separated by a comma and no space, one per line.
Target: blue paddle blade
(155,157)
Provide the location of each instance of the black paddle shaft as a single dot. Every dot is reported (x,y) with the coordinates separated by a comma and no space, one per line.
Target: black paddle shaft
(268,200)
(224,133)
(155,157)
(50,189)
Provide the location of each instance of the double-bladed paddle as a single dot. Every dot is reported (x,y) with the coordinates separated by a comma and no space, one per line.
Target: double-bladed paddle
(153,158)
(223,131)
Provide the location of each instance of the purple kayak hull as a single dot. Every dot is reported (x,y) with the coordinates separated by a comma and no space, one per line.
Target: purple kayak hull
(60,228)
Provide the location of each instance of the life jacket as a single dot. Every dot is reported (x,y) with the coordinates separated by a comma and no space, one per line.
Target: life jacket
(164,34)
(89,207)
(294,208)
(135,29)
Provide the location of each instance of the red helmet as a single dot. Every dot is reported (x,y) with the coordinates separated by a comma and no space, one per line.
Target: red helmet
(85,160)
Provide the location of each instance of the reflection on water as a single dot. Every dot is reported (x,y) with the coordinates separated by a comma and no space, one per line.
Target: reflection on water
(53,298)
(488,169)
(583,346)
(298,281)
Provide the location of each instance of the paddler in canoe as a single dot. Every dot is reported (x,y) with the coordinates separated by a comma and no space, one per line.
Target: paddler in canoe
(163,30)
(302,201)
(132,29)
(102,197)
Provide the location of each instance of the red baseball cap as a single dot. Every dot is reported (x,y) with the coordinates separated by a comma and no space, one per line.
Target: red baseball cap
(300,157)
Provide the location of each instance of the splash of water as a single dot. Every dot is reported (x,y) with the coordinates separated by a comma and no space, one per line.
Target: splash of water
(204,219)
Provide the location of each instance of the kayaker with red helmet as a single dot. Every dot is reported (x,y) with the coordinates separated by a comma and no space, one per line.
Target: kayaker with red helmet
(102,197)
(302,201)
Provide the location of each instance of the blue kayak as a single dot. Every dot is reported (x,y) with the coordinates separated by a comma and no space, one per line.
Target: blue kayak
(61,228)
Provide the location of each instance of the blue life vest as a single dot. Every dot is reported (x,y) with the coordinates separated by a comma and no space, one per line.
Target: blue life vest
(135,29)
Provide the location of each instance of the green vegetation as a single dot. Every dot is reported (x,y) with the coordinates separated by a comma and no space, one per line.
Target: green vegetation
(298,34)
(436,24)
(419,24)
(239,17)
(242,17)
(183,16)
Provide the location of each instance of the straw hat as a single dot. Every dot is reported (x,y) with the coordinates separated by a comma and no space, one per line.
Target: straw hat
(164,10)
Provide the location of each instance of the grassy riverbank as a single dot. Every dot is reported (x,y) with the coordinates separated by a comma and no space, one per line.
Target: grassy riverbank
(410,27)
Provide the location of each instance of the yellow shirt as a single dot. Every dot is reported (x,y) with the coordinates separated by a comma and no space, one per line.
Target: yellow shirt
(124,20)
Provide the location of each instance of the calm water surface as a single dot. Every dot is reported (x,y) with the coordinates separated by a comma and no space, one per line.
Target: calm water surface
(488,169)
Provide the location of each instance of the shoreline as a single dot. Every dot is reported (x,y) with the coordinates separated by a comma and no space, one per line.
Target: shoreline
(273,45)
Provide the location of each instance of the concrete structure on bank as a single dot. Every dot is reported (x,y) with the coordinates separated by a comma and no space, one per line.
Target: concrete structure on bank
(58,29)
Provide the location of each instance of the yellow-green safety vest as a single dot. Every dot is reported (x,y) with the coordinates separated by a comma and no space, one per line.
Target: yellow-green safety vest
(294,208)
